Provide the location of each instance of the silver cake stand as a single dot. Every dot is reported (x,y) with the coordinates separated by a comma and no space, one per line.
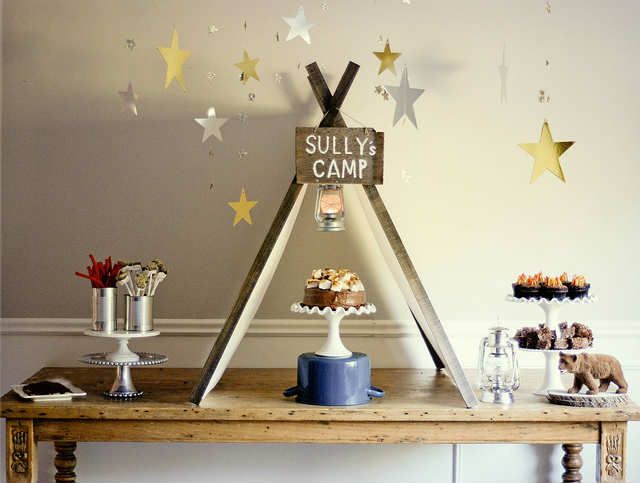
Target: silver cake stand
(123,360)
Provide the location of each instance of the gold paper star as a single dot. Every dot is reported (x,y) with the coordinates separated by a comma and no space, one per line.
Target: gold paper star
(175,59)
(546,154)
(387,59)
(248,67)
(242,208)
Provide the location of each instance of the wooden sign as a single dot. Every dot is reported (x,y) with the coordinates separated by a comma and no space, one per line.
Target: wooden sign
(339,155)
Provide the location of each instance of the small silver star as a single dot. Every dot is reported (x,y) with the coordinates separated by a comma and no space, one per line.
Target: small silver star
(129,98)
(406,177)
(406,2)
(211,75)
(277,77)
(547,7)
(251,96)
(324,6)
(211,125)
(213,29)
(242,153)
(244,117)
(131,44)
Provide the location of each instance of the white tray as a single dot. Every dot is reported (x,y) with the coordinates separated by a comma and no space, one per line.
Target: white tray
(74,391)
(305,309)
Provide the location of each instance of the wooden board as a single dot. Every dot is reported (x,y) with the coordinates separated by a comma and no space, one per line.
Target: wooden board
(334,432)
(399,262)
(22,464)
(252,291)
(339,155)
(612,464)
(256,395)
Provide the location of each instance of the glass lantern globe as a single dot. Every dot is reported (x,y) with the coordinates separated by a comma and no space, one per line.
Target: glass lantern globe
(498,366)
(329,213)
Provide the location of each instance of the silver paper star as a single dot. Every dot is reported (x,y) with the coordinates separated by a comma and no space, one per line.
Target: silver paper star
(298,26)
(406,177)
(277,77)
(129,98)
(503,70)
(131,44)
(211,125)
(211,75)
(242,153)
(213,29)
(251,97)
(405,97)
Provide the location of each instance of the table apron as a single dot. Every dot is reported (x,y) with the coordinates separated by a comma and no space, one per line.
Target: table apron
(227,431)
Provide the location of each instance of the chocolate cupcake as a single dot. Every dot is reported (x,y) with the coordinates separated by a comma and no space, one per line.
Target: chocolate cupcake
(526,287)
(579,287)
(564,278)
(553,288)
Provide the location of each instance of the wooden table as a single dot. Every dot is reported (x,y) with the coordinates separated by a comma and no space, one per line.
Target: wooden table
(420,406)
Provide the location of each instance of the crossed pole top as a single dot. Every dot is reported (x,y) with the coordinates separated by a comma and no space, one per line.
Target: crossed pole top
(331,103)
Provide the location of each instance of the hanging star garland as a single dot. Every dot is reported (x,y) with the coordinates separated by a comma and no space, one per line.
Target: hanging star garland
(248,67)
(242,209)
(129,98)
(546,154)
(211,124)
(298,26)
(175,59)
(387,59)
(405,96)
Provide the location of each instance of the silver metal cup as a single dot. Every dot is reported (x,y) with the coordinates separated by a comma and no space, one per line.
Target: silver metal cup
(103,303)
(138,313)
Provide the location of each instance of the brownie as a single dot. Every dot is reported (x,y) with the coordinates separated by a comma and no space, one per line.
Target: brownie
(566,331)
(522,336)
(582,330)
(580,343)
(546,337)
(45,387)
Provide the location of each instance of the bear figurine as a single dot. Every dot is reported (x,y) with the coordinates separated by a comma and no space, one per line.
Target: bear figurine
(596,371)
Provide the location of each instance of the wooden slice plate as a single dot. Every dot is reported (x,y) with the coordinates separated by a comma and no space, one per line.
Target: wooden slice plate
(582,400)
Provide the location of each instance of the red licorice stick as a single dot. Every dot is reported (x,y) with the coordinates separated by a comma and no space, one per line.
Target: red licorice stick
(94,281)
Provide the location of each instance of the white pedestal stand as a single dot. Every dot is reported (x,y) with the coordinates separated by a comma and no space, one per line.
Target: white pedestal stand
(333,346)
(551,308)
(123,359)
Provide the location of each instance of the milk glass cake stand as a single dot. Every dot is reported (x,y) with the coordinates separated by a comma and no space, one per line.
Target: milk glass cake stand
(333,346)
(123,360)
(551,308)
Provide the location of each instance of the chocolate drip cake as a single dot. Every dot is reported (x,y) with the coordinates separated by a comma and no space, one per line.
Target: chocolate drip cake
(333,288)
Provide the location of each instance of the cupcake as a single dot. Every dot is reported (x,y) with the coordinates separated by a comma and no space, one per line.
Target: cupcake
(553,288)
(526,287)
(579,287)
(564,278)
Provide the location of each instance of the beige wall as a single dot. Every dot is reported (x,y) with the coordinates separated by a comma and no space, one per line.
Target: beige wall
(80,176)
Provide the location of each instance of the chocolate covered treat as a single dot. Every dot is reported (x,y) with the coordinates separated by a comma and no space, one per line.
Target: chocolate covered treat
(580,343)
(332,288)
(578,287)
(41,388)
(526,287)
(553,288)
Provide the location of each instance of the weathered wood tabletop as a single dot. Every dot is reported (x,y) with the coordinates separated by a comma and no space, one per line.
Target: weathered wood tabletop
(420,406)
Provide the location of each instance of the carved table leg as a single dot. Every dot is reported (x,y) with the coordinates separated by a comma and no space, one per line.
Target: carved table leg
(572,462)
(65,461)
(21,452)
(613,452)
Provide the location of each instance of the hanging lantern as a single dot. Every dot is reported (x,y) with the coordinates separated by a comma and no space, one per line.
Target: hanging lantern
(498,367)
(329,212)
